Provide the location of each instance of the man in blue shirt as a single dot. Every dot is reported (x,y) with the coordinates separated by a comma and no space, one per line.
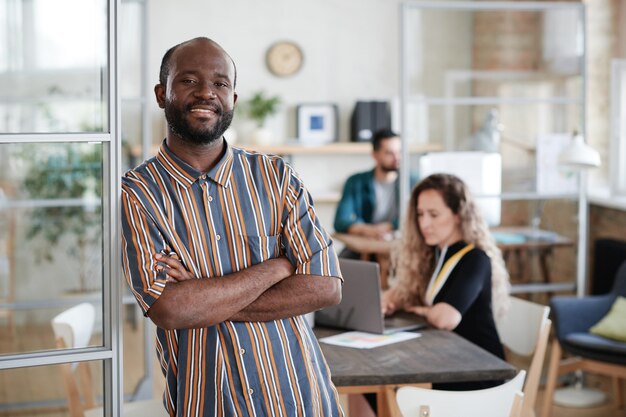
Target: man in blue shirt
(369,204)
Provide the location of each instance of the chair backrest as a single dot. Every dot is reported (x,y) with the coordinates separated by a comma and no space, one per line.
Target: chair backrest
(75,325)
(72,329)
(519,329)
(491,402)
(525,331)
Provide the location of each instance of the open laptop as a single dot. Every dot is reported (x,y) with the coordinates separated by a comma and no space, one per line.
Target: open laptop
(360,304)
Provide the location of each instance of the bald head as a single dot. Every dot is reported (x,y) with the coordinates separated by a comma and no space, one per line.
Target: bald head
(166,61)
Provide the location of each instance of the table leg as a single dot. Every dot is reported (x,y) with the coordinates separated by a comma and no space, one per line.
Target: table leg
(545,270)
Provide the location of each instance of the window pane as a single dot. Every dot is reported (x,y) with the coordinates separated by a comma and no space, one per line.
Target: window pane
(50,238)
(454,53)
(131,133)
(131,49)
(53,66)
(42,390)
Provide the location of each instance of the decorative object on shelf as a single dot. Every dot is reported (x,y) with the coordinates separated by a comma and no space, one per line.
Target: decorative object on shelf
(259,108)
(284,58)
(487,138)
(368,117)
(317,123)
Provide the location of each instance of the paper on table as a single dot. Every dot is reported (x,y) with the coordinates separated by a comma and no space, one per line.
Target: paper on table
(362,340)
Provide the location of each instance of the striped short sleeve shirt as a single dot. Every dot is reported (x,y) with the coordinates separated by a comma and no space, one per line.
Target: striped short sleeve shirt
(249,208)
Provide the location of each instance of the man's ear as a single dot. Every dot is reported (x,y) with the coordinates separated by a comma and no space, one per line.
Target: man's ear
(235,98)
(159,93)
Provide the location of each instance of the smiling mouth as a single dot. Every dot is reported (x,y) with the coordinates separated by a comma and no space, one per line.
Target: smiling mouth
(203,111)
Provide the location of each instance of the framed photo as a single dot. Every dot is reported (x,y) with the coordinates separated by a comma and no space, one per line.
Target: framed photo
(317,123)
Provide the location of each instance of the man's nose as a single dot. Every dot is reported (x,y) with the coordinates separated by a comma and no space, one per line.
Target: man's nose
(205,90)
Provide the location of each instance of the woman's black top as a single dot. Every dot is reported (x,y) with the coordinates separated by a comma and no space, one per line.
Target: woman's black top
(468,289)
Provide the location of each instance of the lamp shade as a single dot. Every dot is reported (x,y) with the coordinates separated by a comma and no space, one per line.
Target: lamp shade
(579,155)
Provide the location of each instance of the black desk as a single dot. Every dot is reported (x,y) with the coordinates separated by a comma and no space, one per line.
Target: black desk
(436,356)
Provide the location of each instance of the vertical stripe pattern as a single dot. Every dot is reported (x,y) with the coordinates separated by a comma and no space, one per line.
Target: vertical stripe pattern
(249,208)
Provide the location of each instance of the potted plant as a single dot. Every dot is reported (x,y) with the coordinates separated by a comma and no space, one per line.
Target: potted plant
(259,108)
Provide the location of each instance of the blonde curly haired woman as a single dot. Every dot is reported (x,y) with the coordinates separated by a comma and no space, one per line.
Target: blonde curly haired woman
(448,267)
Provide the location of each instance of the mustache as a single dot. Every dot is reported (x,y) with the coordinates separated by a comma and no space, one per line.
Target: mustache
(211,105)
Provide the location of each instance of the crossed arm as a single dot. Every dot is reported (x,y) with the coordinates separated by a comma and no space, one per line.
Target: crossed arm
(266,291)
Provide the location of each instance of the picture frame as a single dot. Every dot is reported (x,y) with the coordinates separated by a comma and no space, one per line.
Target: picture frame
(317,123)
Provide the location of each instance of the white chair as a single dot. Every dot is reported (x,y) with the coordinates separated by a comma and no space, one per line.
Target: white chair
(501,401)
(525,331)
(72,329)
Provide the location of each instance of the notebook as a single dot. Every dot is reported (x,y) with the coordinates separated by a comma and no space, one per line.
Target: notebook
(360,304)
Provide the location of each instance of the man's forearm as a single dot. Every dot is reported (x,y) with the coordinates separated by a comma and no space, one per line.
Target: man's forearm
(293,296)
(205,302)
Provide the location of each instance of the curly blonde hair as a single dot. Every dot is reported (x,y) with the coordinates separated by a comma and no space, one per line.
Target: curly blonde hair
(413,261)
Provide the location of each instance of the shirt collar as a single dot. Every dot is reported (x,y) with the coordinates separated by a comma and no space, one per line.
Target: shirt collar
(186,175)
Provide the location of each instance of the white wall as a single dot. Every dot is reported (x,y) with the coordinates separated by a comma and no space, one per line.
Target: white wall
(351,52)
(350,48)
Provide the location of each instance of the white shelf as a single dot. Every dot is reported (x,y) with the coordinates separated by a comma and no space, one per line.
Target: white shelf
(334,148)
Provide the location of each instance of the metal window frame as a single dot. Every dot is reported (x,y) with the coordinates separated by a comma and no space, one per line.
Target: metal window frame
(405,99)
(110,353)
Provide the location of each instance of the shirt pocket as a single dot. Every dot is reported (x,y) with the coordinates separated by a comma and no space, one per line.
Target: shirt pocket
(256,249)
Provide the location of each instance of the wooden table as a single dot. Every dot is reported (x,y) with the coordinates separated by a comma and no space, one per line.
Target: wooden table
(535,242)
(538,243)
(436,356)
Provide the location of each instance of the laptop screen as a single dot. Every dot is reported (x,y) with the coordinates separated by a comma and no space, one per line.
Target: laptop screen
(360,303)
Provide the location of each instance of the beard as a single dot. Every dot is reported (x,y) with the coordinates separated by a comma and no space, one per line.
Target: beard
(198,136)
(388,168)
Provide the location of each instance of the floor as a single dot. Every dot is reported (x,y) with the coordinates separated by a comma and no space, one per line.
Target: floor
(45,383)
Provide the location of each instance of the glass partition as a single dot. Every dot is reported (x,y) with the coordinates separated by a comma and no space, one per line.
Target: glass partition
(53,66)
(42,391)
(51,230)
(495,68)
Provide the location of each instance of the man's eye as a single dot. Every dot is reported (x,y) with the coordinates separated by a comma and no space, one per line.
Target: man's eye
(188,81)
(221,85)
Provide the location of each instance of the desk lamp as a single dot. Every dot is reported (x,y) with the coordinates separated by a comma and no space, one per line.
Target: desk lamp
(579,157)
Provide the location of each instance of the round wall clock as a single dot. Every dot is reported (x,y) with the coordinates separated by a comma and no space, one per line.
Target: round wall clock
(284,58)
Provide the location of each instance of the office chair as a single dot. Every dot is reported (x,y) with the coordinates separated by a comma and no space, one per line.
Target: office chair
(524,331)
(573,317)
(72,329)
(501,401)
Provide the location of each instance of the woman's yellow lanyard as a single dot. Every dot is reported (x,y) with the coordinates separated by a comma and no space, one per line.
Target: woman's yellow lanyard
(441,273)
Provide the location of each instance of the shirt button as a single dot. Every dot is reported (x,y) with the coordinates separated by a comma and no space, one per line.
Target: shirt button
(242,351)
(218,237)
(251,391)
(210,199)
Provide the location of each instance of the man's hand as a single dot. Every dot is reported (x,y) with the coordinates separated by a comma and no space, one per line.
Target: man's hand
(175,271)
